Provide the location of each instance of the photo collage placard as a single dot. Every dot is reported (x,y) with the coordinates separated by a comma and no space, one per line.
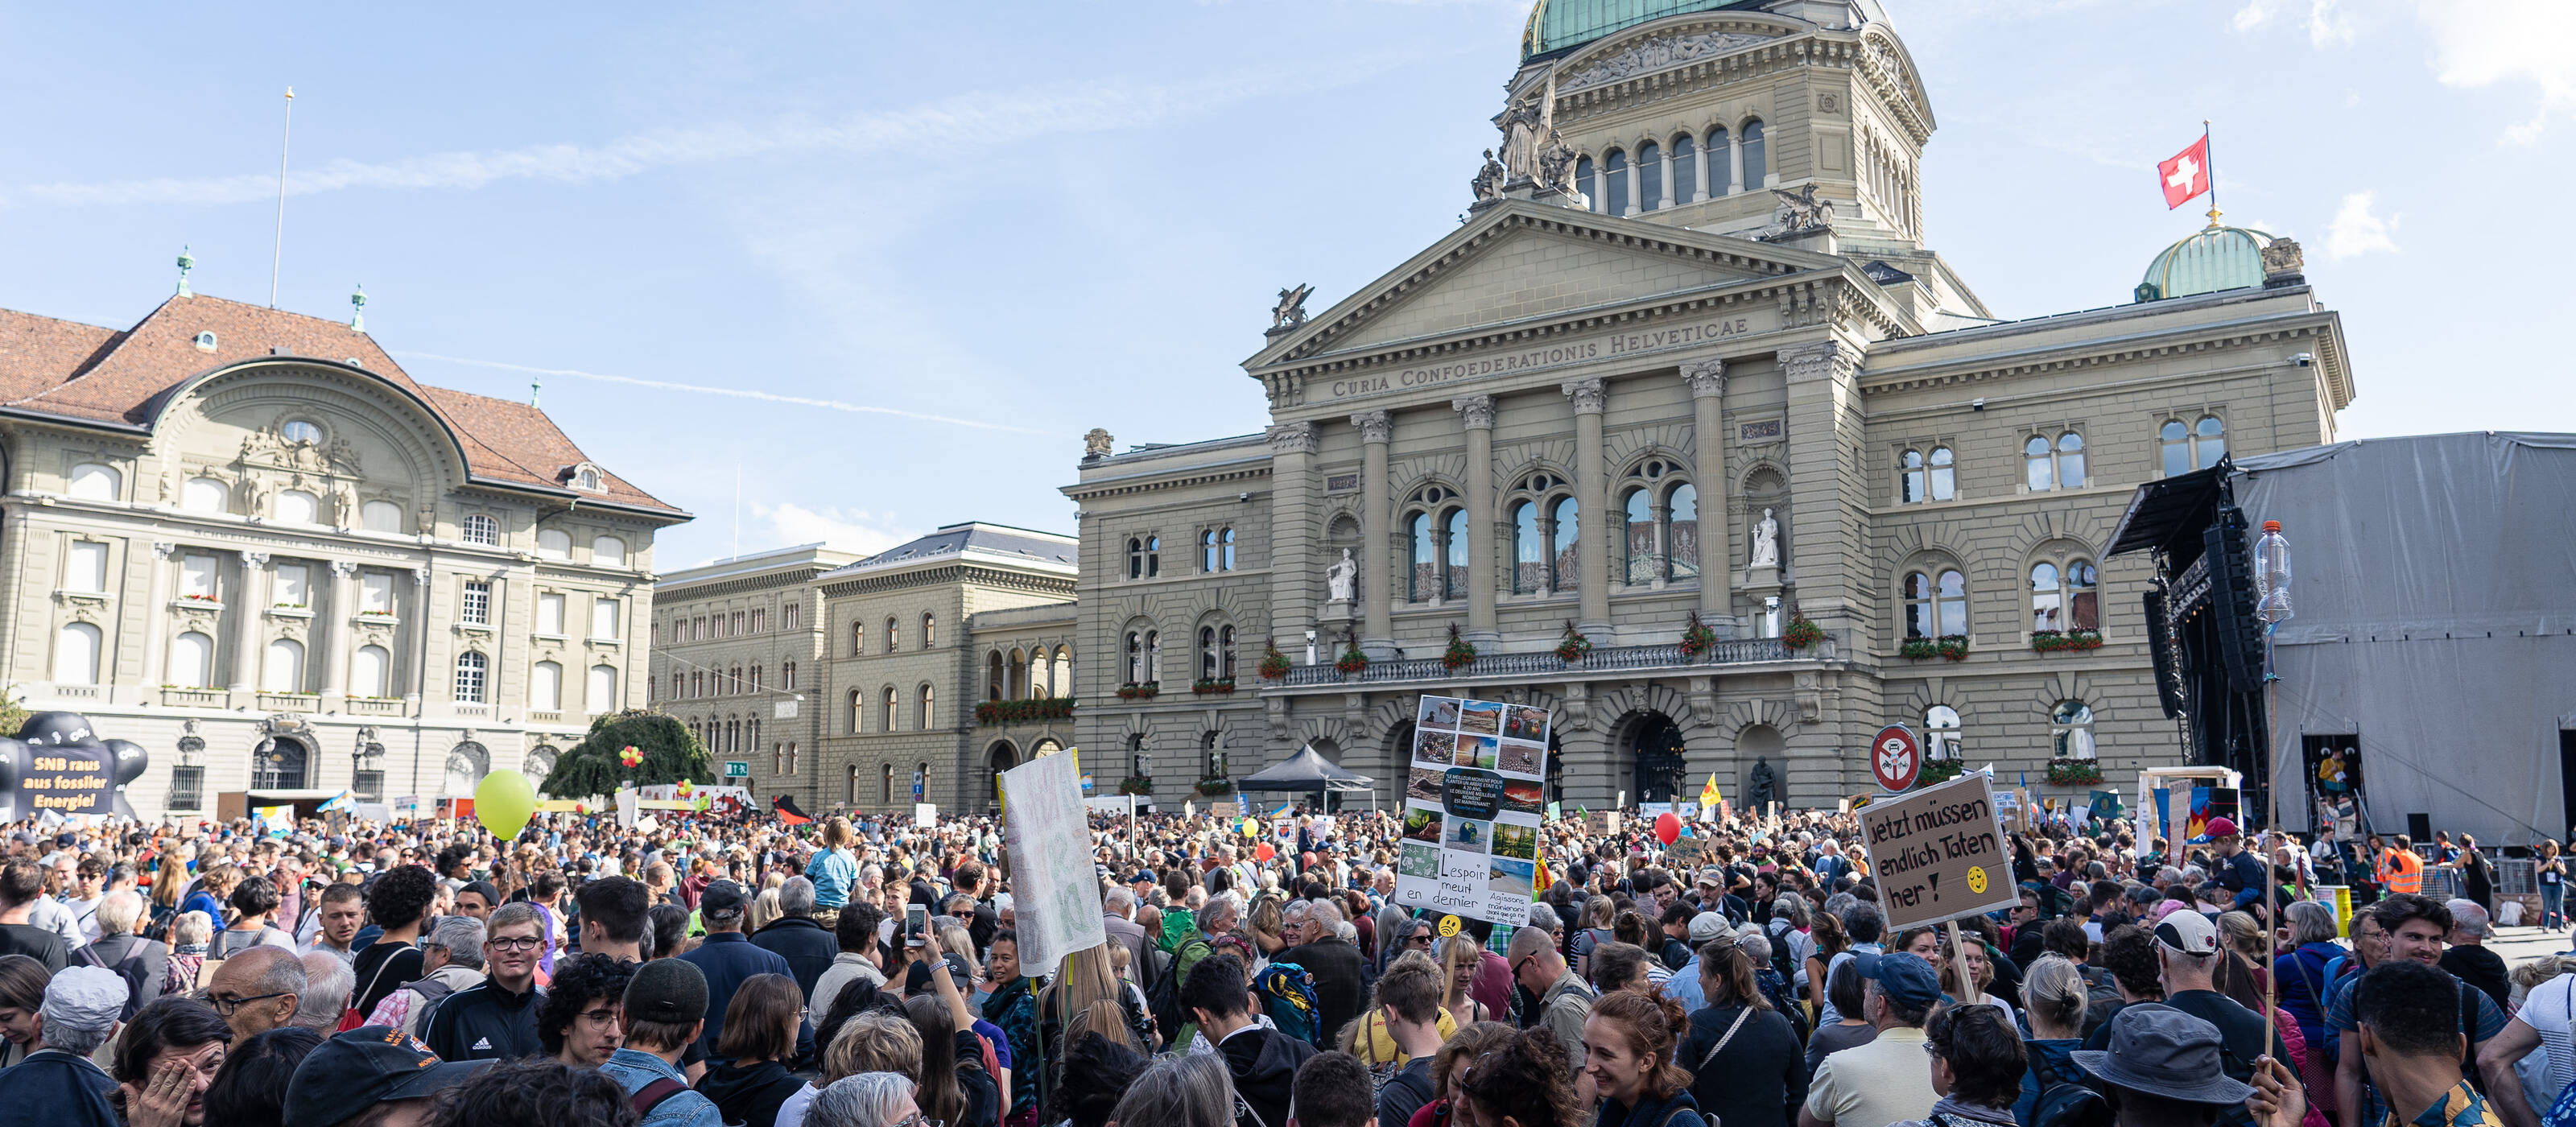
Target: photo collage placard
(1474,794)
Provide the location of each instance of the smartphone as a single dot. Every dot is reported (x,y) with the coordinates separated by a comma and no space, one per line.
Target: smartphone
(916,925)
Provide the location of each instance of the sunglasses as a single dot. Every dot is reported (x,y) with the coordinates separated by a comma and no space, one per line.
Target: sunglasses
(1418,940)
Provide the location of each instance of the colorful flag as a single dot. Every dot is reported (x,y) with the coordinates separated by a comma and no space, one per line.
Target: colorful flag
(1708,796)
(2186,175)
(1542,879)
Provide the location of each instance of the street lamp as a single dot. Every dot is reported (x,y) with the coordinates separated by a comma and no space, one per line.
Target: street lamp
(2272,605)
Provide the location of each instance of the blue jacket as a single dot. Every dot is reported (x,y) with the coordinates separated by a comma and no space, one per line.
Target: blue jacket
(1681,1110)
(833,872)
(728,958)
(634,1068)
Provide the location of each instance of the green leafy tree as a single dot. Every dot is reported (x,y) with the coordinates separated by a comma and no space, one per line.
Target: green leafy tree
(591,767)
(13,711)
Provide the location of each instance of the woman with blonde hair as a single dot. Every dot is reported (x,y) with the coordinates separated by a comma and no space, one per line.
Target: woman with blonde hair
(1265,923)
(955,940)
(764,909)
(1460,958)
(1449,1069)
(1598,912)
(1086,996)
(2053,997)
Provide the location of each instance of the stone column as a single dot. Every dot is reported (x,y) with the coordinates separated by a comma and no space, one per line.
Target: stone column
(1707,380)
(334,617)
(1592,489)
(248,602)
(1699,161)
(1488,556)
(1293,535)
(1826,486)
(1377,586)
(156,619)
(1735,161)
(1664,156)
(420,643)
(1636,181)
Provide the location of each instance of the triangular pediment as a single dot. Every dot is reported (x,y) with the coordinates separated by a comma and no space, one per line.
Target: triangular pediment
(1524,261)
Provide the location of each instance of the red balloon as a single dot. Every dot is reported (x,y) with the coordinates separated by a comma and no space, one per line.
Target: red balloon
(1667,827)
(1265,852)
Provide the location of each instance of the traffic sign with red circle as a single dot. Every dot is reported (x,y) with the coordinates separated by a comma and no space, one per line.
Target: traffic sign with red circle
(1895,759)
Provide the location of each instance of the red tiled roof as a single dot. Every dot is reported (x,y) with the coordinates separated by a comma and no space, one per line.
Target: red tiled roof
(84,372)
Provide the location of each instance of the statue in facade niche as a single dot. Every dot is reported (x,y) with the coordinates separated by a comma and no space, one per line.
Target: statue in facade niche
(1488,183)
(1766,541)
(1762,783)
(1343,578)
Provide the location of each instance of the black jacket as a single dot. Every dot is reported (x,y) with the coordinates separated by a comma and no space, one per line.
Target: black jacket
(486,1022)
(1758,1081)
(1341,985)
(749,1094)
(808,948)
(1264,1063)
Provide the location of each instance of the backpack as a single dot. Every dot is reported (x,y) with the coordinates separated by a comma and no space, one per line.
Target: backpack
(1288,996)
(2064,1103)
(2101,997)
(432,991)
(131,968)
(1164,1000)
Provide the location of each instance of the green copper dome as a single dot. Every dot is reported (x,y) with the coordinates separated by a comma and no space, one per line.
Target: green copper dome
(1555,25)
(2211,259)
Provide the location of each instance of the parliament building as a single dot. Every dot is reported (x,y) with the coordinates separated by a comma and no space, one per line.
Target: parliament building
(1689,434)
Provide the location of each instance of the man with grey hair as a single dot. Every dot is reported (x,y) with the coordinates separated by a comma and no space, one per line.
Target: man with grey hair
(118,946)
(57,1083)
(2468,958)
(867,1099)
(453,956)
(1118,918)
(1341,986)
(808,946)
(256,990)
(327,985)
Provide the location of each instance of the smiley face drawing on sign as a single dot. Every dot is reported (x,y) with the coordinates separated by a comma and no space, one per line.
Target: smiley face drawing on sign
(1977,880)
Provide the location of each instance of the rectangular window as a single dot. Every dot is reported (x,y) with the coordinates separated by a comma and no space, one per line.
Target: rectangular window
(760,620)
(795,615)
(294,586)
(603,617)
(197,577)
(477,608)
(187,785)
(550,612)
(375,593)
(469,678)
(370,785)
(87,570)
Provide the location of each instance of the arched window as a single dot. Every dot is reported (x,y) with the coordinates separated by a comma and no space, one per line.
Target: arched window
(1529,553)
(2208,441)
(91,481)
(607,551)
(545,687)
(1135,557)
(993,675)
(1756,169)
(858,638)
(2070,730)
(2040,463)
(1458,570)
(2047,601)
(2053,465)
(1422,580)
(893,636)
(1153,657)
(1225,549)
(697,685)
(887,794)
(2083,596)
(1565,535)
(295,506)
(1637,517)
(1941,738)
(554,544)
(192,660)
(885,721)
(1910,481)
(1211,755)
(1721,163)
(1945,474)
(1208,659)
(1685,170)
(1681,522)
(1650,176)
(1615,181)
(929,713)
(480,529)
(470,669)
(2070,460)
(207,495)
(283,671)
(370,672)
(1207,550)
(929,630)
(787,676)
(1225,652)
(1936,606)
(2176,438)
(1060,672)
(1135,657)
(1015,683)
(1033,676)
(76,654)
(602,694)
(1583,181)
(2065,594)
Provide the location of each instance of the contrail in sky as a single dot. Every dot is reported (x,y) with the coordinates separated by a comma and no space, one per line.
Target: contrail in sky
(730,392)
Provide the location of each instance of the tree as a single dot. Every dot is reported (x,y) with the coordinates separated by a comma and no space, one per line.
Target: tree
(13,711)
(591,767)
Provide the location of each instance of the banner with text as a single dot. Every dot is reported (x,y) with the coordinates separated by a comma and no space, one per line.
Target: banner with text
(1939,853)
(1473,797)
(1055,889)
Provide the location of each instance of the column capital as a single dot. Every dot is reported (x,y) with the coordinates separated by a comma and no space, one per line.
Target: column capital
(1587,395)
(344,568)
(254,560)
(420,577)
(161,549)
(1375,426)
(1824,359)
(1707,378)
(1292,438)
(1478,410)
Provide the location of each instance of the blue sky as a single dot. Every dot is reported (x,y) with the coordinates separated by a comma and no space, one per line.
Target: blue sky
(907,254)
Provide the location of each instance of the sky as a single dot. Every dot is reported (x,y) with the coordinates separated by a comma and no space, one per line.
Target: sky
(847,273)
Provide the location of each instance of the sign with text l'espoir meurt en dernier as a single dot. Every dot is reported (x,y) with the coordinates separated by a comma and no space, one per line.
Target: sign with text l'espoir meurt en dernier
(1938,853)
(1475,791)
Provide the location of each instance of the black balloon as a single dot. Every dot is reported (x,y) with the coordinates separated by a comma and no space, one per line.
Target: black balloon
(51,730)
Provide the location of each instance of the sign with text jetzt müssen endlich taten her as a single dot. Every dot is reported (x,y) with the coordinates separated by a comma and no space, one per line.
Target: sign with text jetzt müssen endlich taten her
(1939,853)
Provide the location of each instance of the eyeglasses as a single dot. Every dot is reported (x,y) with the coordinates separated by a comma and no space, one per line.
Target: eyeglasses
(225,1006)
(519,943)
(1418,940)
(601,1016)
(916,1120)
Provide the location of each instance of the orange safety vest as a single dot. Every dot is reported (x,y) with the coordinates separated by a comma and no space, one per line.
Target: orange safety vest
(2401,871)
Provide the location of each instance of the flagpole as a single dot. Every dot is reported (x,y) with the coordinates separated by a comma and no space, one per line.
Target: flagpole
(2209,165)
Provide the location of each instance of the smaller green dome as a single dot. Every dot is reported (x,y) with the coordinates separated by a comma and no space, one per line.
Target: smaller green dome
(1555,25)
(2211,259)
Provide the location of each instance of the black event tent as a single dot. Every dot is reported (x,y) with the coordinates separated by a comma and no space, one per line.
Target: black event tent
(1307,771)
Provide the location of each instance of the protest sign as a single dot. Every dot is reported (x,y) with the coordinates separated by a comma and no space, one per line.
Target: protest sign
(925,815)
(1476,786)
(1055,892)
(1686,853)
(66,778)
(1938,853)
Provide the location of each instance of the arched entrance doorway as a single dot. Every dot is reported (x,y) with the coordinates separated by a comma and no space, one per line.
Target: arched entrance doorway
(999,758)
(1655,746)
(278,763)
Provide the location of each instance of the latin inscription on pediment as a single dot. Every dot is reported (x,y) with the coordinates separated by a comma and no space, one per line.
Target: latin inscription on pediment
(1683,333)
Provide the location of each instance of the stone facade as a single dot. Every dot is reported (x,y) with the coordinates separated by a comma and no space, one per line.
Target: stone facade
(738,651)
(247,541)
(1557,420)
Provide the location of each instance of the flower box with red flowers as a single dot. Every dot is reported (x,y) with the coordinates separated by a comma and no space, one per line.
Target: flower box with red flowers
(1352,661)
(1951,646)
(1136,784)
(1274,665)
(1460,654)
(1697,638)
(1140,690)
(2052,641)
(1573,647)
(1206,686)
(2074,773)
(1802,633)
(1215,786)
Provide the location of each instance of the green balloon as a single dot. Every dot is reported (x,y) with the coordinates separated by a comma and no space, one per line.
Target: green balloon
(503,801)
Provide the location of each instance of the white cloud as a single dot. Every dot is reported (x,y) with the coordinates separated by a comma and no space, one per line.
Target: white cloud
(728,392)
(999,117)
(2327,25)
(2512,41)
(853,530)
(2357,230)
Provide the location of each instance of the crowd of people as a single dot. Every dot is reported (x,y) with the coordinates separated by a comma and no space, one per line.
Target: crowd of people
(868,972)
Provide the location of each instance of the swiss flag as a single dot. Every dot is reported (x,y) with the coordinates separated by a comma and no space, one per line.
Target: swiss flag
(2186,175)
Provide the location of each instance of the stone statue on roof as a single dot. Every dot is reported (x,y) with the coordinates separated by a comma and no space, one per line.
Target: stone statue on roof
(1291,310)
(1488,183)
(1800,211)
(1096,443)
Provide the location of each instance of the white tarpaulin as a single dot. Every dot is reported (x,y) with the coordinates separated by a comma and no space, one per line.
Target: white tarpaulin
(1055,893)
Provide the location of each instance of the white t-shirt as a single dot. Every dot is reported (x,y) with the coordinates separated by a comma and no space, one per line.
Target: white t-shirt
(2547,1010)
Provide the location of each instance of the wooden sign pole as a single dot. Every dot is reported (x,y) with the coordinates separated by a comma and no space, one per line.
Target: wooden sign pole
(1967,991)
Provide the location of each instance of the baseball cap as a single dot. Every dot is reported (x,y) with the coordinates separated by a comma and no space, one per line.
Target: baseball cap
(1706,927)
(722,898)
(2188,932)
(1906,978)
(918,979)
(667,990)
(1712,876)
(2221,827)
(372,1064)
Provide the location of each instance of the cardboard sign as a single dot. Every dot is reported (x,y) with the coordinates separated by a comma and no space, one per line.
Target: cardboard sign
(1686,853)
(1939,853)
(1474,790)
(1601,823)
(925,816)
(1049,839)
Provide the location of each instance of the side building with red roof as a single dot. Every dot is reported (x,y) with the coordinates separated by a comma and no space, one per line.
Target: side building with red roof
(249,542)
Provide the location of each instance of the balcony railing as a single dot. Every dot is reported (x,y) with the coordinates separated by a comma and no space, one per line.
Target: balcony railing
(375,706)
(289,702)
(1741,651)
